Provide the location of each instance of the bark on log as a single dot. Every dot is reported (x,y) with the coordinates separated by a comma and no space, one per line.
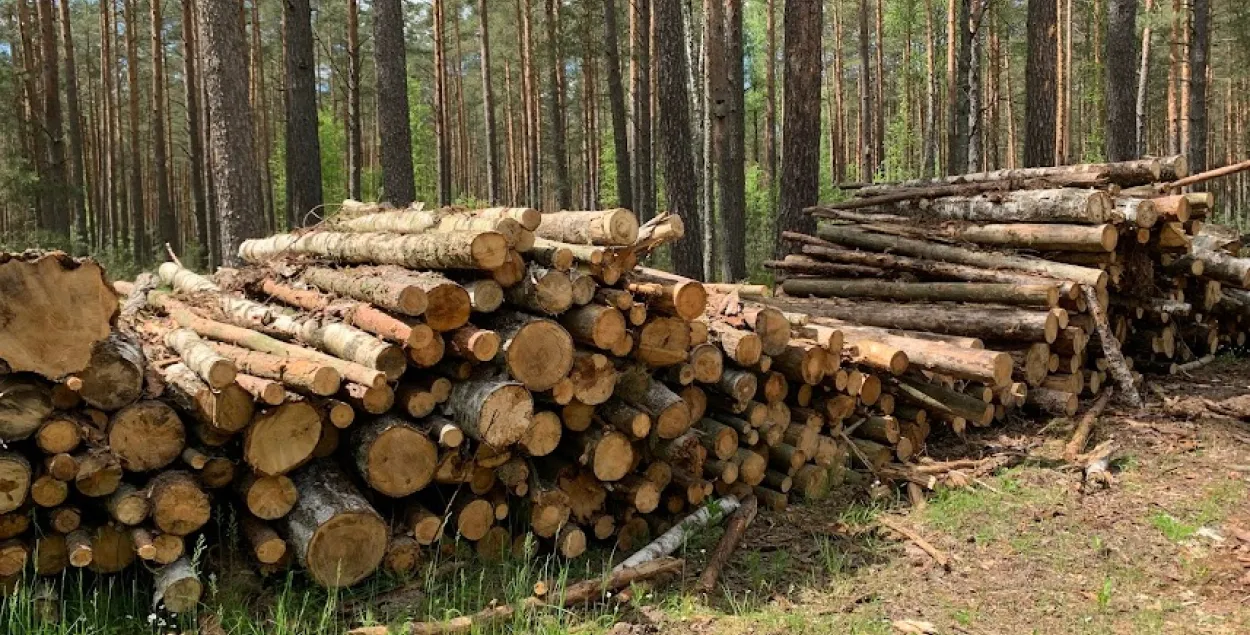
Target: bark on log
(969,321)
(492,411)
(25,400)
(1124,174)
(198,355)
(663,342)
(614,227)
(398,295)
(428,222)
(474,344)
(114,376)
(358,314)
(1068,205)
(670,293)
(669,414)
(1042,237)
(338,537)
(227,411)
(485,296)
(595,325)
(541,290)
(178,587)
(854,237)
(460,250)
(303,375)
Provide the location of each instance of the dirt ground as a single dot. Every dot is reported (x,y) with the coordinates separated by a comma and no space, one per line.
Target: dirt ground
(1164,549)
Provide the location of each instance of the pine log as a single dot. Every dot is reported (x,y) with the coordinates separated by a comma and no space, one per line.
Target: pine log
(56,309)
(358,314)
(739,385)
(595,325)
(429,355)
(393,294)
(1124,174)
(1053,402)
(593,377)
(227,411)
(485,296)
(128,505)
(541,290)
(25,401)
(474,344)
(177,587)
(426,526)
(263,391)
(963,320)
(394,457)
(492,411)
(942,401)
(114,376)
(708,363)
(543,435)
(973,292)
(428,222)
(614,227)
(99,473)
(458,250)
(282,438)
(669,415)
(267,546)
(1220,266)
(537,352)
(198,355)
(267,497)
(371,399)
(663,341)
(78,548)
(179,505)
(1140,212)
(742,346)
(215,470)
(337,535)
(304,375)
(670,293)
(802,361)
(553,254)
(584,287)
(146,436)
(854,237)
(64,519)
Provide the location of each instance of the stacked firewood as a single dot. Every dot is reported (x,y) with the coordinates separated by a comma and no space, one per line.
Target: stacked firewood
(397,381)
(1077,277)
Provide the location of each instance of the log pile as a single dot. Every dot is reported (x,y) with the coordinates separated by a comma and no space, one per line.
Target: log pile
(1020,288)
(397,381)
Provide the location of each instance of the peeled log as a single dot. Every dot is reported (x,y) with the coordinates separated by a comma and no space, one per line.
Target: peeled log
(55,310)
(855,237)
(538,352)
(613,227)
(394,457)
(179,505)
(459,250)
(114,377)
(492,411)
(282,438)
(146,436)
(963,320)
(338,537)
(25,400)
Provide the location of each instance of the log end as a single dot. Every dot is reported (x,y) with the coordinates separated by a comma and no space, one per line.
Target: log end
(613,458)
(346,549)
(489,250)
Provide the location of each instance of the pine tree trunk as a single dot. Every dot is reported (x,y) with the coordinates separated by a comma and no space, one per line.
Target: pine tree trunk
(77,168)
(616,99)
(533,117)
(640,80)
(800,159)
(55,216)
(1174,77)
(1143,81)
(493,194)
(190,73)
(770,94)
(139,242)
(675,132)
(867,162)
(928,158)
(442,134)
(1040,85)
(878,152)
(1121,58)
(303,145)
(233,147)
(1198,55)
(355,144)
(166,216)
(733,150)
(556,99)
(393,120)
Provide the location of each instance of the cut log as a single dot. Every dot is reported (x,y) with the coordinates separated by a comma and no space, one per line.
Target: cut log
(267,546)
(474,344)
(394,457)
(217,371)
(304,375)
(267,497)
(371,399)
(669,414)
(215,470)
(55,310)
(608,453)
(78,548)
(179,505)
(398,295)
(663,342)
(614,227)
(974,292)
(670,293)
(99,473)
(595,325)
(338,537)
(742,346)
(739,385)
(60,433)
(543,435)
(963,320)
(492,411)
(708,363)
(1220,266)
(282,438)
(128,505)
(264,391)
(25,401)
(15,480)
(428,222)
(146,436)
(584,287)
(227,411)
(593,377)
(853,237)
(541,290)
(553,254)
(458,250)
(358,314)
(537,352)
(802,361)
(178,587)
(114,376)
(485,296)
(1053,402)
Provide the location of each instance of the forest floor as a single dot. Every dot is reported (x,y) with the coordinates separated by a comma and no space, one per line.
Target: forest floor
(1164,549)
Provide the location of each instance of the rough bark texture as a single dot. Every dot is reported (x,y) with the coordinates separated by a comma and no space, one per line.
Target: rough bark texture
(1040,71)
(800,157)
(337,535)
(616,101)
(303,145)
(393,119)
(1199,52)
(675,132)
(1121,80)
